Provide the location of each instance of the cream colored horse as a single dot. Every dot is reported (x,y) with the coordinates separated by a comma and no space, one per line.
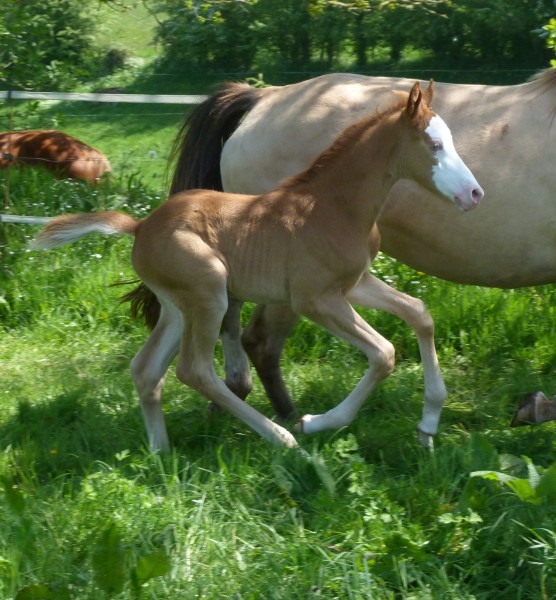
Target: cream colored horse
(305,245)
(506,134)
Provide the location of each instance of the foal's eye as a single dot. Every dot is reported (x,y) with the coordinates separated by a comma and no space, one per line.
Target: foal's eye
(436,146)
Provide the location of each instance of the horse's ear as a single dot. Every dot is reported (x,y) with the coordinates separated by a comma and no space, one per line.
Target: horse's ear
(429,93)
(414,100)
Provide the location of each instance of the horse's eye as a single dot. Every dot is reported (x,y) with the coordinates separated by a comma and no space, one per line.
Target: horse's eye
(436,146)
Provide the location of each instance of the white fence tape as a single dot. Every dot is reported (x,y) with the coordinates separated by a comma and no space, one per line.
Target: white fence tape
(21,219)
(133,98)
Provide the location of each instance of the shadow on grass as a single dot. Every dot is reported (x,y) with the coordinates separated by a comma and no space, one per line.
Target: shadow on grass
(97,416)
(94,422)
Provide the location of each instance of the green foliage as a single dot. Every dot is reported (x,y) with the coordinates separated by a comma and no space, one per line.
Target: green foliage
(59,44)
(51,44)
(39,591)
(535,488)
(37,193)
(214,32)
(477,31)
(155,564)
(110,561)
(296,34)
(550,32)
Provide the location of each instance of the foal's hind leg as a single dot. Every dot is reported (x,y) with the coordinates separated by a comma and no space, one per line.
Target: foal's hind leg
(264,341)
(374,293)
(148,370)
(203,315)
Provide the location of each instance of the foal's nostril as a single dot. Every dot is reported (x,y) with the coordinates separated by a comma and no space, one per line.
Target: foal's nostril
(477,195)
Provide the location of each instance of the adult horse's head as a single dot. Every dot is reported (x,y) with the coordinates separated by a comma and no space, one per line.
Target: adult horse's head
(449,175)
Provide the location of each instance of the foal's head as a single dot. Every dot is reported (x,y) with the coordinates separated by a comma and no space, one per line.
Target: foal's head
(431,158)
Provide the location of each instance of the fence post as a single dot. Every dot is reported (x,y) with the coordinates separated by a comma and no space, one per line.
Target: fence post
(10,127)
(3,227)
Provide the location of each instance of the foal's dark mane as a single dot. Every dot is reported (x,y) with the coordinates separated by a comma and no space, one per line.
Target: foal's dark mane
(330,154)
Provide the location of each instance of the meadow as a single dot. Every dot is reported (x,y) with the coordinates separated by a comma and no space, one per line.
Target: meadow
(87,512)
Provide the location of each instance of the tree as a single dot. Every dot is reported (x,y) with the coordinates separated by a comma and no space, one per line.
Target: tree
(46,44)
(329,29)
(199,33)
(496,33)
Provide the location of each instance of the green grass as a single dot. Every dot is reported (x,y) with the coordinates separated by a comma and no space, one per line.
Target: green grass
(87,512)
(128,26)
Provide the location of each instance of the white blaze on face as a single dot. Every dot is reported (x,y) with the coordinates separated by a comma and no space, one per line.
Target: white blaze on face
(450,174)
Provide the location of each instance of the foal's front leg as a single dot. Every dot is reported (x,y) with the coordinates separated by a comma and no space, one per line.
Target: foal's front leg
(374,293)
(334,312)
(236,365)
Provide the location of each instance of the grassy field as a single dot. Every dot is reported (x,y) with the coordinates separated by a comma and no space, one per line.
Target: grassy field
(86,512)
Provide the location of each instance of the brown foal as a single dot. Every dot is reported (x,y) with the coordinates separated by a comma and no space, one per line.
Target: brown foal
(305,244)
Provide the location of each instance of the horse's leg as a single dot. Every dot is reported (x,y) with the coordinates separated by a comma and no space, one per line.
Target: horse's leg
(202,321)
(264,339)
(238,373)
(148,370)
(334,312)
(374,293)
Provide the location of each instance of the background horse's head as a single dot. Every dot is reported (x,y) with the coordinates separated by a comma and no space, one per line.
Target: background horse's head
(448,174)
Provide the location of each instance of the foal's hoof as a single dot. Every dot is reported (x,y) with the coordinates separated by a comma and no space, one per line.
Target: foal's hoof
(425,439)
(298,426)
(308,424)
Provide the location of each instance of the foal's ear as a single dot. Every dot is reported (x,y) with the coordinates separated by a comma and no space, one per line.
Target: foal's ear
(414,100)
(429,93)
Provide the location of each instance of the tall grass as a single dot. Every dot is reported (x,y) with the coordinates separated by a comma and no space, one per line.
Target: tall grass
(87,512)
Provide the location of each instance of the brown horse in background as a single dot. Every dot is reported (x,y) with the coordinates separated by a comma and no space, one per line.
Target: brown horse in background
(58,152)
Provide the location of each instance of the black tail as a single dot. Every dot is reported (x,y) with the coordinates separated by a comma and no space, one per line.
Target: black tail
(196,152)
(198,145)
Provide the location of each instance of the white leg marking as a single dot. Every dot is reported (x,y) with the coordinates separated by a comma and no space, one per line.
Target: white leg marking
(149,368)
(333,312)
(374,293)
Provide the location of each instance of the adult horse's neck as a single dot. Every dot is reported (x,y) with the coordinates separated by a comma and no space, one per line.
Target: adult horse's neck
(353,176)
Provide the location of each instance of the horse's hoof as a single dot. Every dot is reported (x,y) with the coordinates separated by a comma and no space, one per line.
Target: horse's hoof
(425,439)
(309,424)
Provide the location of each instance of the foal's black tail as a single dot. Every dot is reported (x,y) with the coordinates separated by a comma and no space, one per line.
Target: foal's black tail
(196,153)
